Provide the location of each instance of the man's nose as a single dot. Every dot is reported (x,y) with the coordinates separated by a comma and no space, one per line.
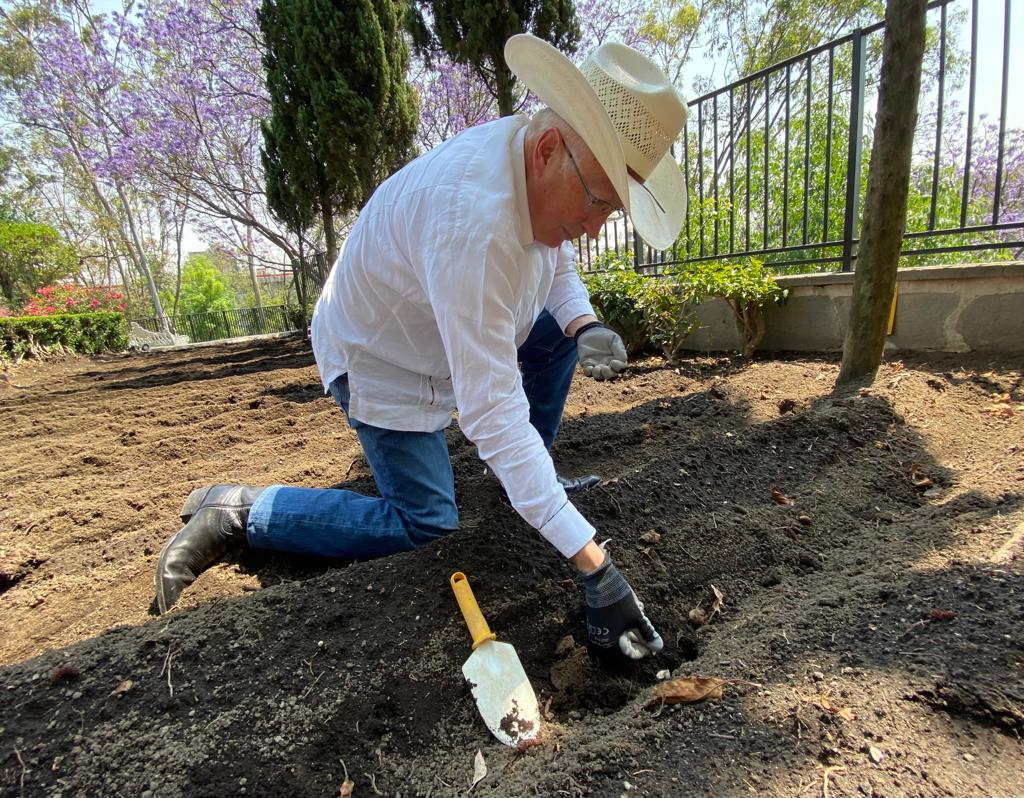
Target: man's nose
(593,224)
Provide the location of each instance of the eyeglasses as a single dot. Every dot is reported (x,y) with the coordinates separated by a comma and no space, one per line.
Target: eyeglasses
(603,206)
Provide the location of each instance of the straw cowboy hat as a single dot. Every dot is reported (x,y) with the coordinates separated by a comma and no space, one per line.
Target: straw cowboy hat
(628,113)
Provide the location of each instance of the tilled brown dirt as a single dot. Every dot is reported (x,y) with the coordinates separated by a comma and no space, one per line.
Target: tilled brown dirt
(872,625)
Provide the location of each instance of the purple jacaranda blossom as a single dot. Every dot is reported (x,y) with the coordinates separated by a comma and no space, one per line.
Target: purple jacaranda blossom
(612,20)
(166,101)
(451,98)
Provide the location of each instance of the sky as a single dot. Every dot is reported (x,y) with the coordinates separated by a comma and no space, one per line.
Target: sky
(990,56)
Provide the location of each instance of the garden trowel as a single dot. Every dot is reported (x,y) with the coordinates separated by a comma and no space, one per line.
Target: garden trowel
(503,694)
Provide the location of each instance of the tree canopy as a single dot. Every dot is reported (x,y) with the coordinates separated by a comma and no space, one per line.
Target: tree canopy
(342,116)
(474,32)
(32,255)
(203,287)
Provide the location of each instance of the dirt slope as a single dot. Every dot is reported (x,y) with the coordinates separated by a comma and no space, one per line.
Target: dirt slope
(879,612)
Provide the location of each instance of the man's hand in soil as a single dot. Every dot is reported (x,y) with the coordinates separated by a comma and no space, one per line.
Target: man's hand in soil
(601,351)
(614,614)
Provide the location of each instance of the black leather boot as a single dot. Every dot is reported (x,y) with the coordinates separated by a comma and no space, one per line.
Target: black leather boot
(218,495)
(218,519)
(578,484)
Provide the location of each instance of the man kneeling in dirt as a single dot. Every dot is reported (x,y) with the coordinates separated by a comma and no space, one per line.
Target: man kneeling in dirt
(457,289)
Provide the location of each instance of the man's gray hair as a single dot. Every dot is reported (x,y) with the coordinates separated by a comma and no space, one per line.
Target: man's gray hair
(546,118)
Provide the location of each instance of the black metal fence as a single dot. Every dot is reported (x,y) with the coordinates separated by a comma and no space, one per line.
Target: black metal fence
(314,275)
(218,324)
(775,162)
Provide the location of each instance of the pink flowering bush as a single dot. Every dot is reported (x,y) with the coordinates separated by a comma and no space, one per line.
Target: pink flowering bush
(70,298)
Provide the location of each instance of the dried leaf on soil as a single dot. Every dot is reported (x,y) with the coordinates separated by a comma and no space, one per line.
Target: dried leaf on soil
(124,687)
(651,537)
(779,497)
(688,690)
(716,605)
(698,616)
(918,477)
(822,702)
(479,768)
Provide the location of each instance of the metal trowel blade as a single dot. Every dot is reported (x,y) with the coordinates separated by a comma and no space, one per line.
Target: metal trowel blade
(503,693)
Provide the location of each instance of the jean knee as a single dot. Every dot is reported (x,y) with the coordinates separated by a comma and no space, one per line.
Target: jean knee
(427,524)
(422,535)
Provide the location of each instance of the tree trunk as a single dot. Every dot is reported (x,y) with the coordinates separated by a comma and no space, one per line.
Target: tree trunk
(503,83)
(141,263)
(885,206)
(7,287)
(300,273)
(133,244)
(327,214)
(132,247)
(178,260)
(250,244)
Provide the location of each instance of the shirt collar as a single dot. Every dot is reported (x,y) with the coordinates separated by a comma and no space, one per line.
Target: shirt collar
(525,227)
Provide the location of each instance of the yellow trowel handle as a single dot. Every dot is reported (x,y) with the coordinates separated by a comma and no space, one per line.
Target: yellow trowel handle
(478,627)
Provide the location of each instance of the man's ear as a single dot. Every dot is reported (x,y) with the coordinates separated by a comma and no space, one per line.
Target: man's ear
(545,147)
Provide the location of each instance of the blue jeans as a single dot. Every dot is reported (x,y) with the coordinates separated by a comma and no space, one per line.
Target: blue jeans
(412,470)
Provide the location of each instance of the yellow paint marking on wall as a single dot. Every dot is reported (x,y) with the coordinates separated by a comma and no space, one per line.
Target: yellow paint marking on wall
(892,311)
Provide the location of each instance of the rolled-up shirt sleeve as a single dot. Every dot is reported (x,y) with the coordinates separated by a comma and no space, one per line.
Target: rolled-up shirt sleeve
(568,298)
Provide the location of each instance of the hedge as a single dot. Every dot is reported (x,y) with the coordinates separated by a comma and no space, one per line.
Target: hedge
(83,333)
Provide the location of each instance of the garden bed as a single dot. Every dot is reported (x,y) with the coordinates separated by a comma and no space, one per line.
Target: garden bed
(868,549)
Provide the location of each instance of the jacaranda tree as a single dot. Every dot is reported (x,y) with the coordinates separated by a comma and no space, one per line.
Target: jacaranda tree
(197,115)
(70,92)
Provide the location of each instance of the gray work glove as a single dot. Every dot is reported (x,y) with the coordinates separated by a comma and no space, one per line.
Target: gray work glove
(601,351)
(615,616)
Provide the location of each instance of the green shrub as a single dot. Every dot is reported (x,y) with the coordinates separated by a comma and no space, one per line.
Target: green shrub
(296,317)
(615,291)
(650,313)
(746,286)
(85,333)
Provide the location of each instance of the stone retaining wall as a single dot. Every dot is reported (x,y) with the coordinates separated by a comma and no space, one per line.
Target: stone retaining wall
(977,308)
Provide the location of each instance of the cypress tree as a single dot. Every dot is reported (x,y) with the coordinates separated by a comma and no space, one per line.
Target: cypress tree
(474,32)
(342,115)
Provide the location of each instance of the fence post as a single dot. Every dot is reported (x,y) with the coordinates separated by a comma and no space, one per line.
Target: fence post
(227,323)
(638,251)
(852,212)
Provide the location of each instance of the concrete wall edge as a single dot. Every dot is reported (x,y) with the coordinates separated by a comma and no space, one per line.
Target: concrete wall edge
(952,272)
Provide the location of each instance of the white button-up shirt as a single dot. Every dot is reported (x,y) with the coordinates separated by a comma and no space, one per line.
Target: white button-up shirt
(435,288)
